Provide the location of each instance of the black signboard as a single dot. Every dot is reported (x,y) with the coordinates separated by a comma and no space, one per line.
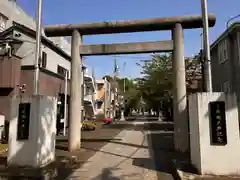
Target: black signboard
(23,121)
(218,123)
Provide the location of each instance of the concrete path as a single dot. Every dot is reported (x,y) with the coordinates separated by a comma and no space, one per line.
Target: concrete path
(125,158)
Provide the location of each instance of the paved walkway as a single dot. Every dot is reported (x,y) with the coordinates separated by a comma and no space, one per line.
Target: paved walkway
(125,158)
(123,151)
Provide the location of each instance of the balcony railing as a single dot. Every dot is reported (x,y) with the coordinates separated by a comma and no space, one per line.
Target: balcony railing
(90,73)
(88,97)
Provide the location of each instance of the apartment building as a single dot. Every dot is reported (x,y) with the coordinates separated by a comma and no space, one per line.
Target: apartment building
(100,96)
(17,31)
(89,92)
(10,11)
(104,98)
(225,59)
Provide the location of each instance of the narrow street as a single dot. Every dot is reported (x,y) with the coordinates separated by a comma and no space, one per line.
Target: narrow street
(141,150)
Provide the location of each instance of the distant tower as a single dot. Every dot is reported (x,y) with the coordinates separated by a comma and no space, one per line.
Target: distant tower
(116,69)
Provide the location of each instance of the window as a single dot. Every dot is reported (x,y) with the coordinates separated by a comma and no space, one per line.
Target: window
(3,22)
(225,87)
(222,51)
(61,70)
(44,60)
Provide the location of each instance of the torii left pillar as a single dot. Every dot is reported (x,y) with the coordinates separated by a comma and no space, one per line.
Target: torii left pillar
(74,132)
(180,114)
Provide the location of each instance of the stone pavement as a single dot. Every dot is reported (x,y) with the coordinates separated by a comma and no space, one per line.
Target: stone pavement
(125,158)
(121,151)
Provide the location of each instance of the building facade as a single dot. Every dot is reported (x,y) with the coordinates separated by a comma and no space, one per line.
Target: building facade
(17,56)
(104,98)
(89,93)
(225,59)
(11,12)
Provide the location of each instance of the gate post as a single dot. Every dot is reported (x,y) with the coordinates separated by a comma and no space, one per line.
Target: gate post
(180,115)
(74,132)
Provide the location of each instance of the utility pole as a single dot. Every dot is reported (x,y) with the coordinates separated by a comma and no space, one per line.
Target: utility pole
(201,58)
(105,97)
(124,80)
(38,46)
(206,49)
(123,97)
(65,103)
(115,86)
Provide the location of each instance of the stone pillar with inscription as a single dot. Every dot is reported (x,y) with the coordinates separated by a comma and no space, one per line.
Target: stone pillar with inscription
(214,133)
(32,131)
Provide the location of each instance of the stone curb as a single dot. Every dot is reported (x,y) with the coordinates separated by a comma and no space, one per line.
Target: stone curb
(184,176)
(180,174)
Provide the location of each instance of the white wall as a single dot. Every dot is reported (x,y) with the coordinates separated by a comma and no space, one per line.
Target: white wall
(39,149)
(63,43)
(208,158)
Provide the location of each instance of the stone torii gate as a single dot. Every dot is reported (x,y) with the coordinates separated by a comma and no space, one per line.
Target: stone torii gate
(175,24)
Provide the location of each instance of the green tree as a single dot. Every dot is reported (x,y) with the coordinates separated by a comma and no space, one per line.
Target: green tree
(157,81)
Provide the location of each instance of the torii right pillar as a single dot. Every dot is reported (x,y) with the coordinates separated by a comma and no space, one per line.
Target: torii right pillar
(180,115)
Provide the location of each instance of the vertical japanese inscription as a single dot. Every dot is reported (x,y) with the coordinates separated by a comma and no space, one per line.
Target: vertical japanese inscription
(218,123)
(23,121)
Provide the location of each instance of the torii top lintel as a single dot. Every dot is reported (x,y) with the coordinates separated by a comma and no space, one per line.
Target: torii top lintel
(127,26)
